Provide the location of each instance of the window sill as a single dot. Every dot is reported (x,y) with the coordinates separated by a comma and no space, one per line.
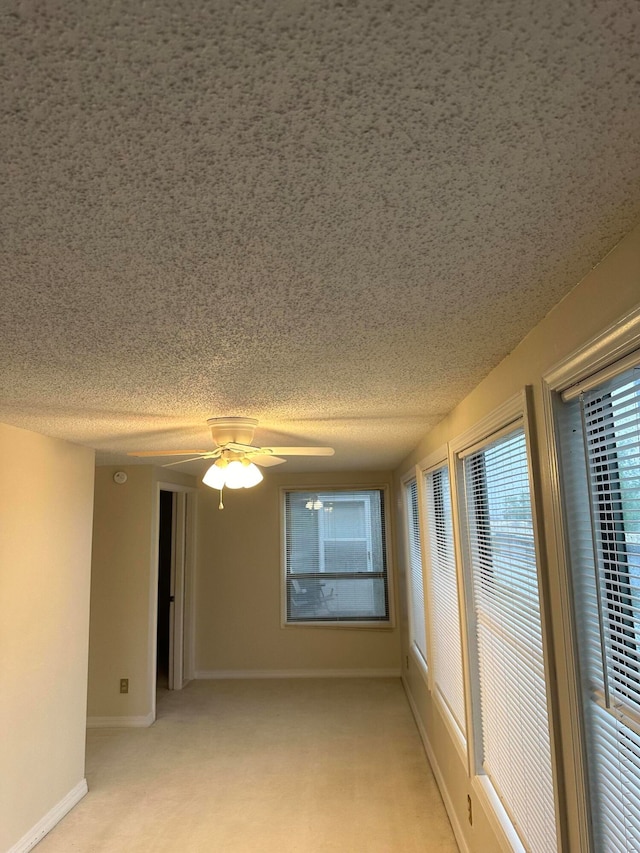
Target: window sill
(457,734)
(421,664)
(375,626)
(504,829)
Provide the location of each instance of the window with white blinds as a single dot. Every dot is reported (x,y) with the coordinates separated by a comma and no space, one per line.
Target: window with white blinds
(335,556)
(600,454)
(446,653)
(513,744)
(415,586)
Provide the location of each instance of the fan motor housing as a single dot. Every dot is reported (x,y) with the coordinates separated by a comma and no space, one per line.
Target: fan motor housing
(232,430)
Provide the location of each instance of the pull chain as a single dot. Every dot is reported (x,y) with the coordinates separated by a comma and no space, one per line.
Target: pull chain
(221,505)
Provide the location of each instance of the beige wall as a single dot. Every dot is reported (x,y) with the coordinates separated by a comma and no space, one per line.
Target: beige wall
(124,543)
(46,497)
(609,291)
(238,589)
(120,579)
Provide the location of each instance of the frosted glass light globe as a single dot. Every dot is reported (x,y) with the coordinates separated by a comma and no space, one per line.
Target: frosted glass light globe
(234,475)
(215,476)
(252,475)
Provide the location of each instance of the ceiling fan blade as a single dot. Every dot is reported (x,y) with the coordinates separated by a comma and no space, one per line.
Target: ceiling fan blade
(301,451)
(266,461)
(190,459)
(165,452)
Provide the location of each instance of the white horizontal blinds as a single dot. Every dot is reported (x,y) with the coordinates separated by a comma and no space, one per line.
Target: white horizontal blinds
(336,556)
(603,514)
(416,589)
(447,650)
(516,754)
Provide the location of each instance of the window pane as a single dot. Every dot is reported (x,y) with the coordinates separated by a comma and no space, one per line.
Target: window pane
(337,599)
(347,519)
(346,556)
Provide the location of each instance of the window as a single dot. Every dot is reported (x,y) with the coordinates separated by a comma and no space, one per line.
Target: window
(512,733)
(416,590)
(335,556)
(600,452)
(447,649)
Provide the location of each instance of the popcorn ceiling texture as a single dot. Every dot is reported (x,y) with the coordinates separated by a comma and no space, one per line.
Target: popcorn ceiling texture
(336,217)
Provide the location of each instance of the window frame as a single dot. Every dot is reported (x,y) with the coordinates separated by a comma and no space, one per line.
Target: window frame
(603,356)
(421,662)
(514,412)
(437,461)
(379,624)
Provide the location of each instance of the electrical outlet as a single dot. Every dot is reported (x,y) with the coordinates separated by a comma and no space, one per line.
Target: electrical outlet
(469,809)
(124,685)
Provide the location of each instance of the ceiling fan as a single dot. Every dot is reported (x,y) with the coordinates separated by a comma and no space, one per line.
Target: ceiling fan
(235,457)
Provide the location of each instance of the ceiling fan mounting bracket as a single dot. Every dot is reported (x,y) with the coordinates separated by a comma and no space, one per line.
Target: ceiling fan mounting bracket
(232,430)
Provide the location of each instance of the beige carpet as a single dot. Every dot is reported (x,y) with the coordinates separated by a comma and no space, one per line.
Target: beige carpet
(300,765)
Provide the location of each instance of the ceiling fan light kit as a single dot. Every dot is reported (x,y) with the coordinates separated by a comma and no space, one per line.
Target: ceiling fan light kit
(237,474)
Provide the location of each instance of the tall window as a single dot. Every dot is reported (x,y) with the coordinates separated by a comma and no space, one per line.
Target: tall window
(416,589)
(600,450)
(335,556)
(513,744)
(447,651)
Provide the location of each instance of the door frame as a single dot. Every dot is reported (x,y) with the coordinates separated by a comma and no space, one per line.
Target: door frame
(183,547)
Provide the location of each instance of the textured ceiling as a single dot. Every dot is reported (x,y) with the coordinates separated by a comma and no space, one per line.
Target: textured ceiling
(336,217)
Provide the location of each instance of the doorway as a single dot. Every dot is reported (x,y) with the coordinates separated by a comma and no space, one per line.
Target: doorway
(172,590)
(166,569)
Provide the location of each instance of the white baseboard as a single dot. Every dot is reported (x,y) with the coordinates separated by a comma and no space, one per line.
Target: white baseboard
(444,793)
(120,722)
(203,674)
(52,817)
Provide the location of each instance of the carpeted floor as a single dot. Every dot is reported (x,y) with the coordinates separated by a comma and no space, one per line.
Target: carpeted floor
(298,766)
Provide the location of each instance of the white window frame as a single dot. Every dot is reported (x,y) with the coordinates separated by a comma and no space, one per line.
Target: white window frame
(501,420)
(382,625)
(603,356)
(433,462)
(421,662)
